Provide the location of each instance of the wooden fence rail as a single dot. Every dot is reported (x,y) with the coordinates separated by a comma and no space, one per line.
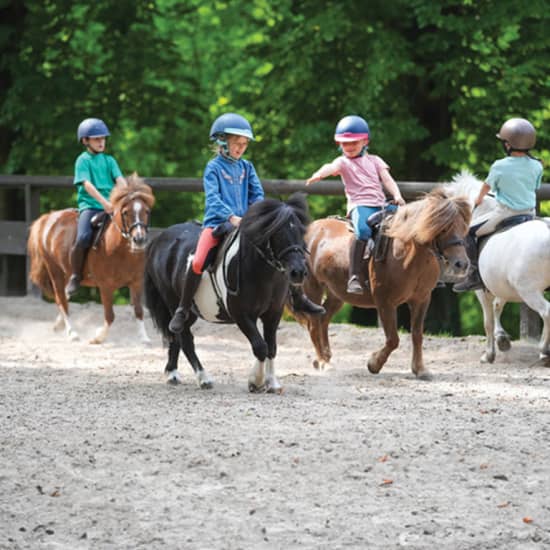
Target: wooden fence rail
(13,234)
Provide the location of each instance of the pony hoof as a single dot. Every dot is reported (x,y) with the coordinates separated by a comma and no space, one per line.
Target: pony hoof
(321,365)
(543,361)
(487,358)
(424,375)
(373,367)
(252,388)
(173,378)
(274,387)
(503,342)
(73,337)
(207,385)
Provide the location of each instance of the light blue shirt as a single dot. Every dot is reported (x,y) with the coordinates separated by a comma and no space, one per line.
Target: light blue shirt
(230,187)
(514,180)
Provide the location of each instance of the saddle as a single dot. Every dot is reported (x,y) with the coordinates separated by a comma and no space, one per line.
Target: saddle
(100,222)
(216,268)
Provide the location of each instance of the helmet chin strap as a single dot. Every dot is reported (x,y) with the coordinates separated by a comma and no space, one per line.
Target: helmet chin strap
(362,153)
(224,150)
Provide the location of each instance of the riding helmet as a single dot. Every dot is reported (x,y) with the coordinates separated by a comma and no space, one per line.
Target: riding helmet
(351,128)
(92,127)
(231,123)
(519,133)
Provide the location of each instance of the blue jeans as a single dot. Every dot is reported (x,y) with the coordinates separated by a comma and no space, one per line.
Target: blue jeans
(359,216)
(84,232)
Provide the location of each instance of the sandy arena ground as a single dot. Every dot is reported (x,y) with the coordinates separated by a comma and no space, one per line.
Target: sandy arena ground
(98,452)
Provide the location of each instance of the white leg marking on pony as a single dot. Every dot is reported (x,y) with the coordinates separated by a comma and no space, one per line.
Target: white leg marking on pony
(71,333)
(486,301)
(173,377)
(501,336)
(204,380)
(143,336)
(272,385)
(59,323)
(100,334)
(256,378)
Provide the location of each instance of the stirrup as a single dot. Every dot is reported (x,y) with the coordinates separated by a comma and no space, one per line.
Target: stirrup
(354,285)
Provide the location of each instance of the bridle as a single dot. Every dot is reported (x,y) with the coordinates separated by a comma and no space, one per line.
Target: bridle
(276,260)
(439,248)
(126,231)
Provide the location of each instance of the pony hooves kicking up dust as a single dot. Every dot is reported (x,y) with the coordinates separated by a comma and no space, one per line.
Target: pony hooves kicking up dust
(421,235)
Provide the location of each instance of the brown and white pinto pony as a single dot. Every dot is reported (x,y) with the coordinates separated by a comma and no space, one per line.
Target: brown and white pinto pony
(421,232)
(116,262)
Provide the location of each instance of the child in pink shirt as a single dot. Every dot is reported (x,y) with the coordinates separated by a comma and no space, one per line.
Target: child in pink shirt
(365,177)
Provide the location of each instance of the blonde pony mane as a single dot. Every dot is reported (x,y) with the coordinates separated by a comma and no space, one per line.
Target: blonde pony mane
(420,222)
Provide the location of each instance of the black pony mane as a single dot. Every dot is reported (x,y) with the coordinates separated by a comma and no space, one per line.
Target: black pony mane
(264,218)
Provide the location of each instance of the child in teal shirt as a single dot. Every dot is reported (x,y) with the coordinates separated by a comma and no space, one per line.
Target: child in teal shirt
(95,176)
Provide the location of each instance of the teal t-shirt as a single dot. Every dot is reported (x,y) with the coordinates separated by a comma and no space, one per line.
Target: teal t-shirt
(514,180)
(100,169)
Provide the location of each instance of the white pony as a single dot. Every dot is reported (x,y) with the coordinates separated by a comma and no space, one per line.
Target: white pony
(514,266)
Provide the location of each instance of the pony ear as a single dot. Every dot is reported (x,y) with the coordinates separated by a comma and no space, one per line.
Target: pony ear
(298,202)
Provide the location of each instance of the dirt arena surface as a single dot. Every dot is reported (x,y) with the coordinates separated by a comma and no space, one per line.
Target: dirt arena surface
(97,451)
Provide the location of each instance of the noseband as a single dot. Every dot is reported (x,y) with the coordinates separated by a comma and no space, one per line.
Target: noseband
(126,231)
(276,260)
(439,248)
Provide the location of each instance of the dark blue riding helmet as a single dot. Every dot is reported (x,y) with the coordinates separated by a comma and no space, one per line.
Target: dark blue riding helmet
(92,127)
(230,123)
(351,128)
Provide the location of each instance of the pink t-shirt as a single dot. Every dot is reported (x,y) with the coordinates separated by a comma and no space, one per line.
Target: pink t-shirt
(361,178)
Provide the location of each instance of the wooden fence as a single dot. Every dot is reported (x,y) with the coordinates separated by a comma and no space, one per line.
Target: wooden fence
(13,234)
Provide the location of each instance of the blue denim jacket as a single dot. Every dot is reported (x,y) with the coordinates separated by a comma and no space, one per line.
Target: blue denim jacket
(230,187)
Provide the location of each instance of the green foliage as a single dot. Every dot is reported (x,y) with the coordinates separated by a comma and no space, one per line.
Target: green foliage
(435,80)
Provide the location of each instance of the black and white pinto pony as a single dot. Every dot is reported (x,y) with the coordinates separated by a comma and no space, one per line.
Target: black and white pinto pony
(514,265)
(250,281)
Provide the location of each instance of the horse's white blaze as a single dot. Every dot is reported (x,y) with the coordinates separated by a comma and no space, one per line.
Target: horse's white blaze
(205,298)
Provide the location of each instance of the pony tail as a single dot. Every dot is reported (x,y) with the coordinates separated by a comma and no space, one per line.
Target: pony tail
(38,272)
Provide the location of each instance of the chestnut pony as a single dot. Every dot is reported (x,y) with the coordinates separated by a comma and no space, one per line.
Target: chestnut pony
(422,234)
(117,261)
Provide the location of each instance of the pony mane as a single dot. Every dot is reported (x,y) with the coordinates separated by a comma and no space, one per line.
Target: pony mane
(420,222)
(266,217)
(136,189)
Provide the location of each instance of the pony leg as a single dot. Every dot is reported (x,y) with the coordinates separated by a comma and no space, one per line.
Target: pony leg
(62,320)
(256,378)
(501,336)
(187,344)
(108,314)
(486,300)
(171,368)
(388,316)
(318,332)
(418,314)
(135,298)
(271,323)
(536,301)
